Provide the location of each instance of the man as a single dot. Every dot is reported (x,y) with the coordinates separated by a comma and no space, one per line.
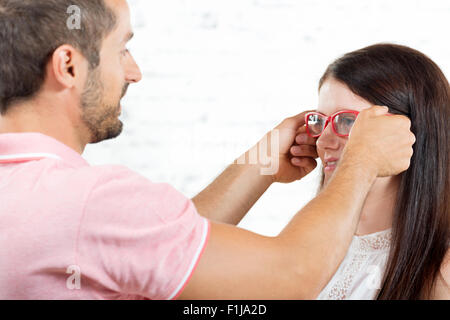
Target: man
(74,231)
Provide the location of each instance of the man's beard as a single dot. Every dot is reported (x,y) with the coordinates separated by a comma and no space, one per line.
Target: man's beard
(99,117)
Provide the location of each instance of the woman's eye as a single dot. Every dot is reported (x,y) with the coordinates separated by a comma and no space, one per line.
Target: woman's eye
(348,122)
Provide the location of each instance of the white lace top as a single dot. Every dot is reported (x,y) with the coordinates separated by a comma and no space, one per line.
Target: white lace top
(360,273)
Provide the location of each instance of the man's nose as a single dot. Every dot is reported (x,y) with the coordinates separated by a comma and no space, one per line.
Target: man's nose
(133,73)
(328,139)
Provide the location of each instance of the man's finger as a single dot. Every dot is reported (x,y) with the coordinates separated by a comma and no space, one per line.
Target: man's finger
(301,129)
(304,138)
(304,162)
(304,151)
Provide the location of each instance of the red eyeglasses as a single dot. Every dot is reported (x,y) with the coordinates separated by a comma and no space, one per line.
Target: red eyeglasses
(341,122)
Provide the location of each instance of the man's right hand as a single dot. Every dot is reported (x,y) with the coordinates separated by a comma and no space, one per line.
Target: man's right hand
(380,142)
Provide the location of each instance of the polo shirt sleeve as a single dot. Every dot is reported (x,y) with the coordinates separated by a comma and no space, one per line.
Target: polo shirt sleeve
(139,238)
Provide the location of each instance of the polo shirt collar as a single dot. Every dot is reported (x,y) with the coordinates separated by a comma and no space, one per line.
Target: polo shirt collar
(30,146)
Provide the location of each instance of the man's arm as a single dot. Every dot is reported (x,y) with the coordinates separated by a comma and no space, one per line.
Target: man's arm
(231,195)
(297,264)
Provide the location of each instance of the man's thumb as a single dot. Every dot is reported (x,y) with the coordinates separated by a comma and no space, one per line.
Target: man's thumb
(378,110)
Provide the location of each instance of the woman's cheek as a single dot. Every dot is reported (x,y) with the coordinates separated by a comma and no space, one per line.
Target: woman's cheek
(320,153)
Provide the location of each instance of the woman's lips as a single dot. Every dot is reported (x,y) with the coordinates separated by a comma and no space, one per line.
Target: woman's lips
(330,164)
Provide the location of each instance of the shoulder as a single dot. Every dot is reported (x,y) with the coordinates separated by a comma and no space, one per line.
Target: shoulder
(111,172)
(119,188)
(112,177)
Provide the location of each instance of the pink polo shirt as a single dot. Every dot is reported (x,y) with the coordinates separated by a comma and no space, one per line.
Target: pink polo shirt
(69,230)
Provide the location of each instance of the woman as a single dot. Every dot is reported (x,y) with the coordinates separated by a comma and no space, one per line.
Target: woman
(401,247)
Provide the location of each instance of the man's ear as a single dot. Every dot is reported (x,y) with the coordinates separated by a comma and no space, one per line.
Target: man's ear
(68,66)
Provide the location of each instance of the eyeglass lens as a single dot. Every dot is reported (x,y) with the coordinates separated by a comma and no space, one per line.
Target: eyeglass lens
(342,123)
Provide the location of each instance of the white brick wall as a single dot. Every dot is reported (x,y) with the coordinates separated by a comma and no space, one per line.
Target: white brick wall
(218,74)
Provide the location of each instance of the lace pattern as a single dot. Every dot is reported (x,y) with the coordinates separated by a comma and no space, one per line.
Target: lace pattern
(374,242)
(359,251)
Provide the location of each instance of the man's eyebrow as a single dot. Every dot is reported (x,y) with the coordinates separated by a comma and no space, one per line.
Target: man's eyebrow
(128,37)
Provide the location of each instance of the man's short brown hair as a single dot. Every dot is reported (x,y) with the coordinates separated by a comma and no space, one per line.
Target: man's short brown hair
(31,30)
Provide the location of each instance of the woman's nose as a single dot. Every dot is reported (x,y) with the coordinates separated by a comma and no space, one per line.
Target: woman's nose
(328,139)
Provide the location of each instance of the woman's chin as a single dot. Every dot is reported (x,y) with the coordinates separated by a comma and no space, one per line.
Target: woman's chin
(326,177)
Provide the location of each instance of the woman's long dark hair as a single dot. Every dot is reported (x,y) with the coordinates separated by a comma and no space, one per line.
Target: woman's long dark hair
(410,83)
